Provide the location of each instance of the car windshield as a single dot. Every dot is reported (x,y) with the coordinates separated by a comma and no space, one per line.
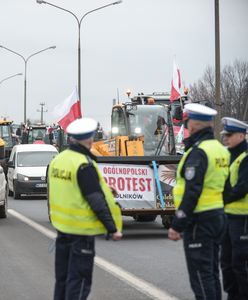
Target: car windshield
(35,159)
(151,122)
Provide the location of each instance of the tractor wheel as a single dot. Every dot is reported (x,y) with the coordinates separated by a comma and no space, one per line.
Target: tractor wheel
(16,195)
(10,193)
(166,221)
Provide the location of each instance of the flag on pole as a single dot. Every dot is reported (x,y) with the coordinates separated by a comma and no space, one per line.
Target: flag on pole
(175,83)
(180,135)
(69,110)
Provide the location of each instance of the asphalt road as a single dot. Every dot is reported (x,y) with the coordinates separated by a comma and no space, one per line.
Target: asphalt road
(27,260)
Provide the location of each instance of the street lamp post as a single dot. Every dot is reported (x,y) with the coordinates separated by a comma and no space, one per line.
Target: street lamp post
(25,73)
(17,74)
(79,22)
(217,70)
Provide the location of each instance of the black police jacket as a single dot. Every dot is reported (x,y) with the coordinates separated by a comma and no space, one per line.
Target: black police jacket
(241,187)
(197,160)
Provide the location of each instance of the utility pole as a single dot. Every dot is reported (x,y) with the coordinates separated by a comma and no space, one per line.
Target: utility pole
(42,111)
(218,103)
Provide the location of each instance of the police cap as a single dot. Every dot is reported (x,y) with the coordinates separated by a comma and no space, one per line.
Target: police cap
(233,125)
(196,111)
(82,129)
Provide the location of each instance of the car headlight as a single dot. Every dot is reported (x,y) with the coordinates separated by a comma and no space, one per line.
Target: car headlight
(21,177)
(137,130)
(115,130)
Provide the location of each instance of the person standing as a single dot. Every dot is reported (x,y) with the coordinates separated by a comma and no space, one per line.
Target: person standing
(24,136)
(18,132)
(39,138)
(200,181)
(81,206)
(234,253)
(50,134)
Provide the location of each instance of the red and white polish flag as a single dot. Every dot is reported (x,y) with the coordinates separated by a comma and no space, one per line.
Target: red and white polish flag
(175,83)
(69,110)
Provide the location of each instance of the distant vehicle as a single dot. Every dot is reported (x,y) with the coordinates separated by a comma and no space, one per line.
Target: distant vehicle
(3,194)
(139,160)
(37,132)
(180,132)
(7,138)
(27,169)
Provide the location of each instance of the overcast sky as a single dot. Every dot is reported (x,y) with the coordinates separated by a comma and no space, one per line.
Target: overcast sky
(130,45)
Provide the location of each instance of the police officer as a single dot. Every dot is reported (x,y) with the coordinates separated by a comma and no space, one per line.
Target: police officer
(201,177)
(81,206)
(234,254)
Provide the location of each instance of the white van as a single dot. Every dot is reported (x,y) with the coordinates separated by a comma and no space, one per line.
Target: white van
(27,169)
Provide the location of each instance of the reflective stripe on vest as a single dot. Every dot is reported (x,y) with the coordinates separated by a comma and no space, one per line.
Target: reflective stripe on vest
(239,207)
(214,179)
(69,211)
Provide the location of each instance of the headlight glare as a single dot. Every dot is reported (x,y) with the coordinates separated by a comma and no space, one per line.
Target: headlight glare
(21,177)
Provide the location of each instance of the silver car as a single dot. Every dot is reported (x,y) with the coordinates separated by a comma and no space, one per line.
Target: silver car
(3,194)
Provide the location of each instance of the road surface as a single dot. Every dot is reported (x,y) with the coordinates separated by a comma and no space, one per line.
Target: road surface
(144,265)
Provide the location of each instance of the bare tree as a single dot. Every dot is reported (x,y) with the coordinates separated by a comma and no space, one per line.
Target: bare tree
(234,90)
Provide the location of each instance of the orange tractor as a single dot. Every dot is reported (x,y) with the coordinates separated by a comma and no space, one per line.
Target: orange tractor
(139,159)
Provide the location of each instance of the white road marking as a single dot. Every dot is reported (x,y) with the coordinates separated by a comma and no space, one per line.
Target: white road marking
(139,284)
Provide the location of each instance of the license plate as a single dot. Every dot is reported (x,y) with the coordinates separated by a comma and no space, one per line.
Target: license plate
(41,185)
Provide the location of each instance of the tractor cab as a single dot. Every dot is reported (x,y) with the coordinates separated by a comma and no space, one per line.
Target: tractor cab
(6,136)
(37,133)
(7,142)
(149,121)
(176,111)
(164,99)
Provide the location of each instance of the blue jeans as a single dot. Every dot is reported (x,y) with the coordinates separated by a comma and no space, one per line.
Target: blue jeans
(74,260)
(234,258)
(202,239)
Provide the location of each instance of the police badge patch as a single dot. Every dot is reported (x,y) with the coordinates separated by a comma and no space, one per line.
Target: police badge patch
(189,173)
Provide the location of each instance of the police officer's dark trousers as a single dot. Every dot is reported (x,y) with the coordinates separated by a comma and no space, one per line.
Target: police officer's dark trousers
(74,259)
(234,258)
(202,238)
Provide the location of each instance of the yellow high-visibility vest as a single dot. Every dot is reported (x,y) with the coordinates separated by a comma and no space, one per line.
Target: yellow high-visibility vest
(214,180)
(239,207)
(69,211)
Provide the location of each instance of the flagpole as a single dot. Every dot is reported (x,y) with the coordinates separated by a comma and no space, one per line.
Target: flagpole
(181,103)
